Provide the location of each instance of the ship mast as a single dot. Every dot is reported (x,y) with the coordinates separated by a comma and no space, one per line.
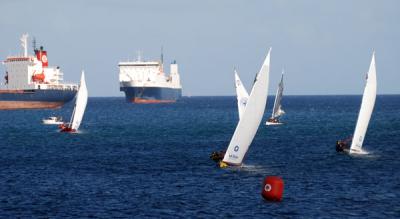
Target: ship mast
(24,44)
(34,44)
(139,56)
(162,59)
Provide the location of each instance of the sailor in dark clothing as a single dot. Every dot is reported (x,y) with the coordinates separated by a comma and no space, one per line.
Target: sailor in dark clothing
(341,146)
(273,120)
(217,156)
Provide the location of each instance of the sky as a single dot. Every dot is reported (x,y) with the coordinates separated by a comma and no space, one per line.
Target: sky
(324,47)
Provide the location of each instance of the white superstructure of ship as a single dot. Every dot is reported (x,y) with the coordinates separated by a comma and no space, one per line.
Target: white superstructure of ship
(146,81)
(29,81)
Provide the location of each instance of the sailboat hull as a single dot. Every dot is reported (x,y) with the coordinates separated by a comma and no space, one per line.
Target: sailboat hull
(67,129)
(273,123)
(224,164)
(357,152)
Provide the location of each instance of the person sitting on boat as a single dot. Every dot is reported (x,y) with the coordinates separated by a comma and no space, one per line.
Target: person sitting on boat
(64,127)
(341,146)
(217,156)
(273,120)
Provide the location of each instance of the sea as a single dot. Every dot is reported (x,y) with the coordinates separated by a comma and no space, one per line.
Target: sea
(152,161)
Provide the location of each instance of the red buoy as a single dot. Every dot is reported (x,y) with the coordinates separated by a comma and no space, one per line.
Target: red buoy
(272,188)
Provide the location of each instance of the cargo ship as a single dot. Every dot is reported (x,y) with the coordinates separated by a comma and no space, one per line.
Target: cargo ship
(30,83)
(146,82)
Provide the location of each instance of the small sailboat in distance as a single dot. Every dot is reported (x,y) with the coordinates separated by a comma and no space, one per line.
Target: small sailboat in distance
(79,109)
(241,93)
(277,111)
(249,121)
(364,116)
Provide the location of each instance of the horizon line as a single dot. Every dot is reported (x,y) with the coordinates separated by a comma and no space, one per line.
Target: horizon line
(389,94)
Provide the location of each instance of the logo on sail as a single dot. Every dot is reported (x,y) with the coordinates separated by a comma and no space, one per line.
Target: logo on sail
(243,101)
(238,83)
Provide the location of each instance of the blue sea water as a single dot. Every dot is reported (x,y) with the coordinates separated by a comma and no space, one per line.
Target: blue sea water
(153,161)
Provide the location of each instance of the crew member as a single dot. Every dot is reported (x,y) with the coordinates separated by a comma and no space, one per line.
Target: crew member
(217,156)
(341,146)
(273,120)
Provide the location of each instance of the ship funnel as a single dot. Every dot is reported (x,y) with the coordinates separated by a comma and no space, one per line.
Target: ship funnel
(41,55)
(174,67)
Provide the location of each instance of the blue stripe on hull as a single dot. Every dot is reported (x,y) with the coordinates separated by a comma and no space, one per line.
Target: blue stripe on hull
(152,93)
(40,95)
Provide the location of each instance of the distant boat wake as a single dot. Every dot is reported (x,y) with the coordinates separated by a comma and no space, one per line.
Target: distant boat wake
(363,153)
(249,168)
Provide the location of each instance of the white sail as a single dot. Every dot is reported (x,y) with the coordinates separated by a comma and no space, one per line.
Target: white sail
(277,110)
(242,95)
(251,118)
(367,106)
(80,104)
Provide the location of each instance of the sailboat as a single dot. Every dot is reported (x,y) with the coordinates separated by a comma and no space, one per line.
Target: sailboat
(364,116)
(79,109)
(250,118)
(241,94)
(277,111)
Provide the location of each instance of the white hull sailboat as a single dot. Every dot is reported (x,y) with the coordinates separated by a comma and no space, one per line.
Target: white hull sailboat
(277,111)
(250,118)
(79,109)
(273,123)
(364,116)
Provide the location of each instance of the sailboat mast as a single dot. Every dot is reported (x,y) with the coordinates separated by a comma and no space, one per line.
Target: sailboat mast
(72,117)
(275,101)
(278,97)
(73,112)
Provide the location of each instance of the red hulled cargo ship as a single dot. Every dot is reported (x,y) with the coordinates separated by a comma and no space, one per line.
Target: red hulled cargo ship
(30,83)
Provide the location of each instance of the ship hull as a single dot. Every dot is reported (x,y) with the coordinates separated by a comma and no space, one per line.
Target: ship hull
(151,94)
(34,99)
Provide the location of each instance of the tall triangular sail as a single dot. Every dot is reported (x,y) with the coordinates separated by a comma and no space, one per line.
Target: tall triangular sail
(241,93)
(80,105)
(251,118)
(367,106)
(277,110)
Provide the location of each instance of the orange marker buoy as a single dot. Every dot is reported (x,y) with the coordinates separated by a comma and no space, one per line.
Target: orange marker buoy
(272,188)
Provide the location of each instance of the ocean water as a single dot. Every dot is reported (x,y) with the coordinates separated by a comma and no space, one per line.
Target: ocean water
(153,161)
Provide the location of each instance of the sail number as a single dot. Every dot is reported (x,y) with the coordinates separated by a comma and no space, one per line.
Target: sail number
(233,156)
